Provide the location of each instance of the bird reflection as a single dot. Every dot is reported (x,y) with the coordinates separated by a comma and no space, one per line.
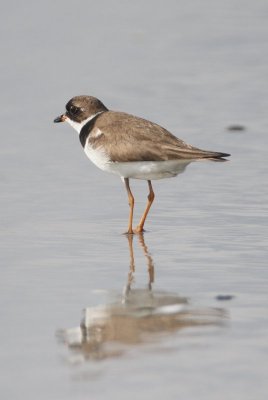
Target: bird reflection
(135,316)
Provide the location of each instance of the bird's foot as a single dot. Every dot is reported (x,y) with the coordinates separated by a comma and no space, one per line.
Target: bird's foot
(130,231)
(138,230)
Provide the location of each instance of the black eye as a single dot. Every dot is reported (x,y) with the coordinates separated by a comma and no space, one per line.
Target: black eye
(74,110)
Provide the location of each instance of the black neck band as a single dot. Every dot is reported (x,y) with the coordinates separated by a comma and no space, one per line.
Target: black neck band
(85,131)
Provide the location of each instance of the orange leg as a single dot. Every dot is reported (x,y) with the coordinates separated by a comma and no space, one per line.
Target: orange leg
(149,203)
(131,205)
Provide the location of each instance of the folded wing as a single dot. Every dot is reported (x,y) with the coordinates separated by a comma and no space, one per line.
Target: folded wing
(135,139)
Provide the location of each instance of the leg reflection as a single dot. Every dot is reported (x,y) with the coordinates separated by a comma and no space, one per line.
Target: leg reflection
(149,260)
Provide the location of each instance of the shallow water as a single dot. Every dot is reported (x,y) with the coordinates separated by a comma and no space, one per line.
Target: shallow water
(196,69)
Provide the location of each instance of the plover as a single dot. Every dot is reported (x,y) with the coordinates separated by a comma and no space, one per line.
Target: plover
(130,147)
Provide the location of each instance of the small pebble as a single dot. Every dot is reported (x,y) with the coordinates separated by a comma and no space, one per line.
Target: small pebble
(224,297)
(236,128)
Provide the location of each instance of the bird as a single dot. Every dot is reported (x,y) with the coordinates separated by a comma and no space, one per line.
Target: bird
(130,147)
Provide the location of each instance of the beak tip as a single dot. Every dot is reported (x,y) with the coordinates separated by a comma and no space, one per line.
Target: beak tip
(58,119)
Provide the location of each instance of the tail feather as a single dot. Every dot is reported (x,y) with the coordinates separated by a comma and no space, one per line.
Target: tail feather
(217,156)
(190,152)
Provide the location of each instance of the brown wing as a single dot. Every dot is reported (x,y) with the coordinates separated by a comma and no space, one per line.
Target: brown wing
(128,138)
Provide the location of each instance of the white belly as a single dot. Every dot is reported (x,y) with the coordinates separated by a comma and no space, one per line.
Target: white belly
(148,169)
(136,169)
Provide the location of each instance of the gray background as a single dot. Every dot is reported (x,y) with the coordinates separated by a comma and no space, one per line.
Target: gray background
(195,67)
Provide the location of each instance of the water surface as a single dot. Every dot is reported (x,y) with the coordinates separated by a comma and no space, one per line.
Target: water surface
(196,69)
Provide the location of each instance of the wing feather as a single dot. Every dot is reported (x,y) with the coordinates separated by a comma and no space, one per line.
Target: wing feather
(127,138)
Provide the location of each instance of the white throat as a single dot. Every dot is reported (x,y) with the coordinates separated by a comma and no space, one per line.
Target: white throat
(79,125)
